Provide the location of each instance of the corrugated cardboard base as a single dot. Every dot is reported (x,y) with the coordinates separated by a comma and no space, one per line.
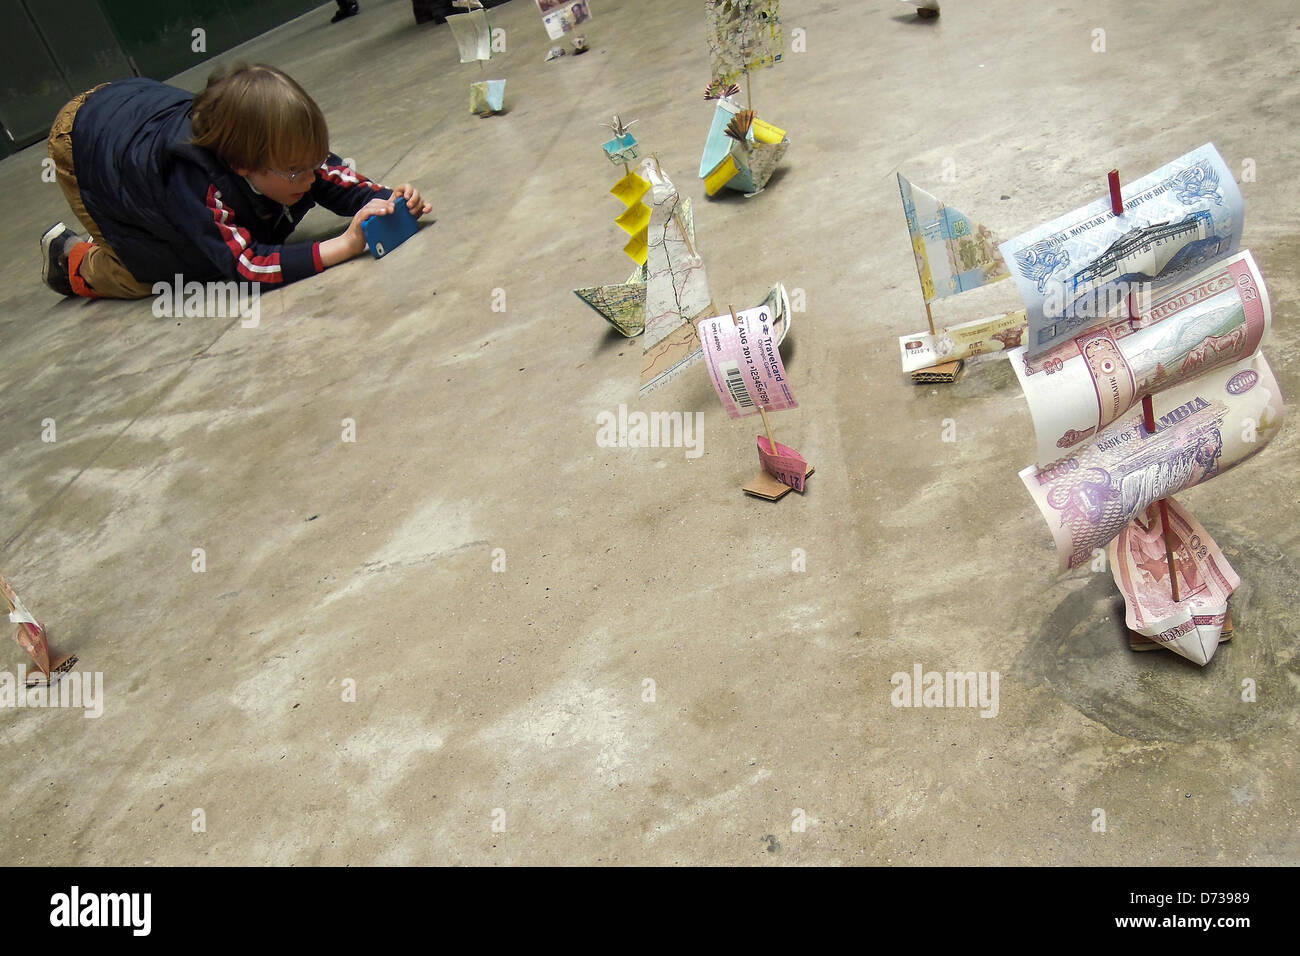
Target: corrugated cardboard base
(765,486)
(57,669)
(1139,642)
(945,373)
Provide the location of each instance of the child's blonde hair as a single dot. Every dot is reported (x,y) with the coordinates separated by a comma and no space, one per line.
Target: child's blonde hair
(256,117)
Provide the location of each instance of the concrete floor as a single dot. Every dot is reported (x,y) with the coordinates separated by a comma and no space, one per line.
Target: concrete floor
(522,691)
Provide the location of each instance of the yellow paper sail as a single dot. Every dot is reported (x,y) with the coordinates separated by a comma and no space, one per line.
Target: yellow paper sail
(635,220)
(954,253)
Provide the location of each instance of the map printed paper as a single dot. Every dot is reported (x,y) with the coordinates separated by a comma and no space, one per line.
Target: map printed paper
(677,286)
(744,35)
(1203,427)
(1206,580)
(745,363)
(1074,271)
(621,304)
(1080,386)
(487,96)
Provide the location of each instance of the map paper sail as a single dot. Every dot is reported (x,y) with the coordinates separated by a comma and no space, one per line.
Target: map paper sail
(1070,271)
(677,286)
(1108,466)
(744,35)
(954,254)
(472,32)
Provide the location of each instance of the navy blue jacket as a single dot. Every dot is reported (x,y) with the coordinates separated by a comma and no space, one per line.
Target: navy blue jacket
(168,207)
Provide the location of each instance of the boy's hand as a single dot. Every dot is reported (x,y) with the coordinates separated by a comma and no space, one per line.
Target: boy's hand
(414,203)
(353,241)
(357,238)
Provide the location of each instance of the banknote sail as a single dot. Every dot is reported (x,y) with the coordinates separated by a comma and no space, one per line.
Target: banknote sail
(954,253)
(1203,428)
(1074,271)
(1192,626)
(1078,387)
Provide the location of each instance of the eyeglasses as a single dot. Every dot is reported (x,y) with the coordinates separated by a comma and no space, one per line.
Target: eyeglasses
(293,177)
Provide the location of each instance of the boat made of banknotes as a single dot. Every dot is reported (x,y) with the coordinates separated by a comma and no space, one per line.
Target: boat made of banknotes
(1132,409)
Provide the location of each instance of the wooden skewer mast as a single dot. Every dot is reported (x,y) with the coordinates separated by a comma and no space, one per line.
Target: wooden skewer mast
(1148,414)
(767,426)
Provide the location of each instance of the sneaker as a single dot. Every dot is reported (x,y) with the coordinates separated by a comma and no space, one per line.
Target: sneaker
(55,246)
(345,11)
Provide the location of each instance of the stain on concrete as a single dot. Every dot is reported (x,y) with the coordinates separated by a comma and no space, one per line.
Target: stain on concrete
(1082,656)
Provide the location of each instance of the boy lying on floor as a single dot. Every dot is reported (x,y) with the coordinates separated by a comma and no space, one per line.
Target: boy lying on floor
(207,186)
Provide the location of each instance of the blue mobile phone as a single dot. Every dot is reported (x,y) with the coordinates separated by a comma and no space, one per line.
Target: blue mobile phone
(385,233)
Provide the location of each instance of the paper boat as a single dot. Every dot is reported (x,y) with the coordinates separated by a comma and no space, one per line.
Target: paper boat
(1192,626)
(746,166)
(487,96)
(30,636)
(622,305)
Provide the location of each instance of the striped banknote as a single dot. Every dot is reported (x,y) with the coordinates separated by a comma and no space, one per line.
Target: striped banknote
(1203,427)
(1216,318)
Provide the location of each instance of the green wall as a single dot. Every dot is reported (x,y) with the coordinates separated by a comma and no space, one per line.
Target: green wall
(51,52)
(157,34)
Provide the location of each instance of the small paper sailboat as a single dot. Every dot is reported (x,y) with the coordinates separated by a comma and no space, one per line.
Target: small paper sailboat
(744,35)
(622,304)
(743,356)
(30,636)
(473,35)
(741,152)
(954,255)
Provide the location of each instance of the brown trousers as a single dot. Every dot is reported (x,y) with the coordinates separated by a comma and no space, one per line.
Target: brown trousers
(99,268)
